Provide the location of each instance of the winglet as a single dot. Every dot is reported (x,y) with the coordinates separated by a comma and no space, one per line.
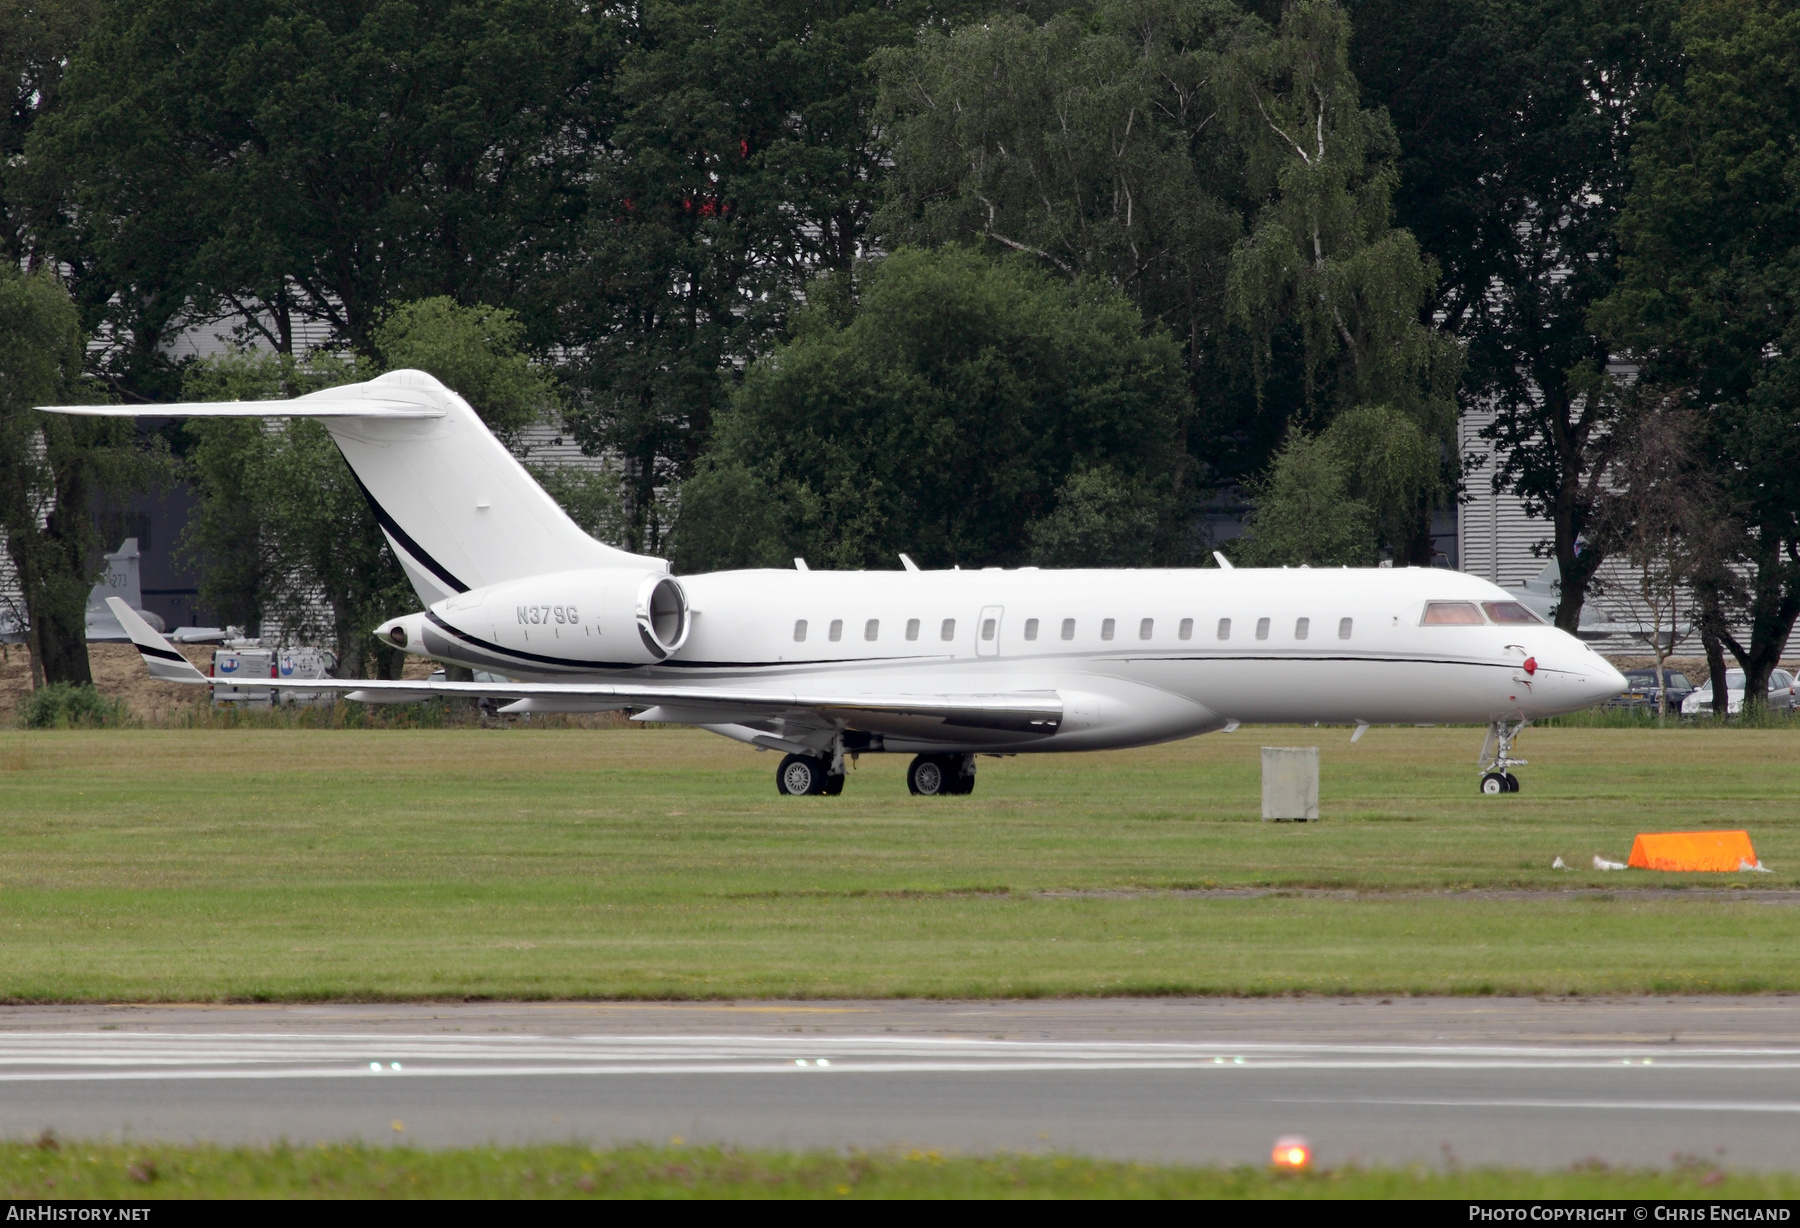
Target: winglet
(166,665)
(1223,561)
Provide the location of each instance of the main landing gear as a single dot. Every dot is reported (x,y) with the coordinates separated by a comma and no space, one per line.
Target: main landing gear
(940,775)
(808,775)
(1496,758)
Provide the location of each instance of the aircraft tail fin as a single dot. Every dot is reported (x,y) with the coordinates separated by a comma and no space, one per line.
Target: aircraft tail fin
(458,509)
(166,665)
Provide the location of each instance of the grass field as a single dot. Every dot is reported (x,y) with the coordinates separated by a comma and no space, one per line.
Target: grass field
(112,1170)
(180,865)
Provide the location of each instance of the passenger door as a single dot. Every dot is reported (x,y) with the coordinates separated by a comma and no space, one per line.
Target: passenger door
(987,631)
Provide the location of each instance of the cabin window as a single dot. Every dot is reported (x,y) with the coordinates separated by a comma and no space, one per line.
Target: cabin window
(1451,614)
(1343,628)
(1301,627)
(1146,627)
(987,629)
(1186,630)
(837,630)
(1068,631)
(912,628)
(799,631)
(1031,628)
(948,630)
(1509,612)
(1224,628)
(1262,628)
(1106,628)
(872,629)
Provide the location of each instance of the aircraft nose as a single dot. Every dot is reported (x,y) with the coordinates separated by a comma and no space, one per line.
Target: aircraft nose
(1605,681)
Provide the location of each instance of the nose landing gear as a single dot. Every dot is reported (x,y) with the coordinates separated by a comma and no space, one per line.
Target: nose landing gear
(1496,758)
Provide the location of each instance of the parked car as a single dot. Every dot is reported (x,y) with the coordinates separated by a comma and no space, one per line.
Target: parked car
(1643,688)
(1784,693)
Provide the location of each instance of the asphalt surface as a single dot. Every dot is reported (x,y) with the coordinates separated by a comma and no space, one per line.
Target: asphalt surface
(1470,1081)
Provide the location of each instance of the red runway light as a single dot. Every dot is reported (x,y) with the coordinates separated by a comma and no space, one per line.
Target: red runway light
(1292,1153)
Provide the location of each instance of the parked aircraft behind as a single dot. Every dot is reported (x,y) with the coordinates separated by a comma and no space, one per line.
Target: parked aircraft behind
(941,665)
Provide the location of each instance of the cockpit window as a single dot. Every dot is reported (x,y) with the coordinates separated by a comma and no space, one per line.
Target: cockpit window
(1451,614)
(1509,612)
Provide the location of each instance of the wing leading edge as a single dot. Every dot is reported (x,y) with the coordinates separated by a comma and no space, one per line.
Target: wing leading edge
(1008,712)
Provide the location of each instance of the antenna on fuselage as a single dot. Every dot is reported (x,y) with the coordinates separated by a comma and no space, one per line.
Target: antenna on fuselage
(1223,561)
(907,562)
(800,565)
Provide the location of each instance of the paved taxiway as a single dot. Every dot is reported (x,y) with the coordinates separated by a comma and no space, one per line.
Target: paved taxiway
(1473,1081)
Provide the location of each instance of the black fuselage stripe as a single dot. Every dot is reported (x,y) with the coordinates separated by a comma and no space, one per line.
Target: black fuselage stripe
(400,535)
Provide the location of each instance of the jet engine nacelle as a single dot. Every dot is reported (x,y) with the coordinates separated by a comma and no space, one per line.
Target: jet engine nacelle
(613,615)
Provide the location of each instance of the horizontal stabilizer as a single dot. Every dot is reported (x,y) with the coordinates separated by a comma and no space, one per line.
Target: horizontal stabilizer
(166,665)
(303,407)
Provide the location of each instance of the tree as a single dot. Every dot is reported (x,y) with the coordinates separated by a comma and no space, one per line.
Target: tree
(1322,269)
(742,164)
(1304,514)
(51,466)
(1515,120)
(1100,519)
(474,350)
(1658,517)
(942,418)
(1709,299)
(1091,143)
(284,162)
(36,39)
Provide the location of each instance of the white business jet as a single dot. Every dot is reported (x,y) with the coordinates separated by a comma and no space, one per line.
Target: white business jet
(942,665)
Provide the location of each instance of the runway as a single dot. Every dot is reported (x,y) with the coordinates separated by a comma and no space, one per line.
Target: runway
(1437,1081)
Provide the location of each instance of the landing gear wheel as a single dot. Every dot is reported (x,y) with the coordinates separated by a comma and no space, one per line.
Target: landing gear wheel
(1512,784)
(964,781)
(834,785)
(801,775)
(1495,783)
(930,776)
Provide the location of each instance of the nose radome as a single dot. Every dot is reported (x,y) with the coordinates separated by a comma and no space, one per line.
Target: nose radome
(1606,681)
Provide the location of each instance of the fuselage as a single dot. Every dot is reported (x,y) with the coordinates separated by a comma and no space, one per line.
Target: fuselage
(1137,656)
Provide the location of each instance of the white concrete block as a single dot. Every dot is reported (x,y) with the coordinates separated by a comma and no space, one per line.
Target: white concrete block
(1290,780)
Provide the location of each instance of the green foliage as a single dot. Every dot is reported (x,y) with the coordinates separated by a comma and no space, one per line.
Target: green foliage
(1515,120)
(85,1168)
(1709,302)
(476,352)
(1099,520)
(36,39)
(51,468)
(1304,513)
(1394,468)
(71,705)
(287,161)
(740,162)
(1324,266)
(591,497)
(941,420)
(1089,142)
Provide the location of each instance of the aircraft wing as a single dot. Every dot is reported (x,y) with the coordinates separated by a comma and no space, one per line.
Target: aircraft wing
(1009,712)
